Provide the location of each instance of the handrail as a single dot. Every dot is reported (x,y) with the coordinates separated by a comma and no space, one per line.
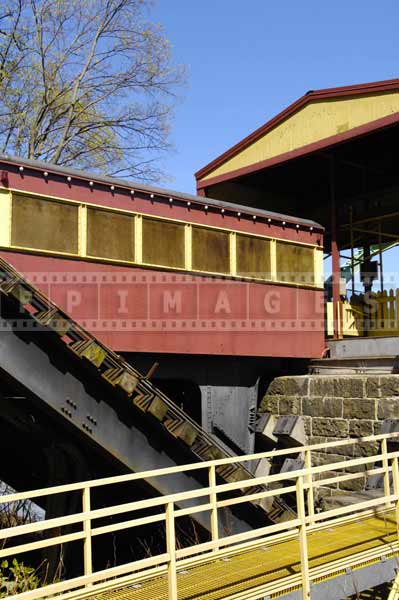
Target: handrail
(300,482)
(93,483)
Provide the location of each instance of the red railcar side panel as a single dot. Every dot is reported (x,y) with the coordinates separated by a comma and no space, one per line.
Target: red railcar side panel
(141,310)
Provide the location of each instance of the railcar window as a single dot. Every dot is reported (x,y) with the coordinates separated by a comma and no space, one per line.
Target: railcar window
(44,224)
(253,256)
(210,250)
(110,235)
(295,264)
(163,243)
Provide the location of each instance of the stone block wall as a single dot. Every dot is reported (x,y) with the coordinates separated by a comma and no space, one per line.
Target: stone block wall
(337,407)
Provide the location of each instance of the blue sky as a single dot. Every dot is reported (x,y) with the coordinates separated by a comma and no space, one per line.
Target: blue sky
(246,61)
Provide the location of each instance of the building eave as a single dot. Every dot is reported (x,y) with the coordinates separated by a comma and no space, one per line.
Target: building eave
(311,96)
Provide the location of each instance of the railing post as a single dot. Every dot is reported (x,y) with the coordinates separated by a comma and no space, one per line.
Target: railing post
(214,509)
(309,481)
(395,480)
(171,550)
(303,543)
(87,549)
(385,464)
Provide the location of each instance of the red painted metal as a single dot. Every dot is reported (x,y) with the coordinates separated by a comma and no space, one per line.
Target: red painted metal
(149,310)
(336,269)
(142,310)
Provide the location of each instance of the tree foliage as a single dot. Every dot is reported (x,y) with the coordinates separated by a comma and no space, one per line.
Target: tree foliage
(86,83)
(16,578)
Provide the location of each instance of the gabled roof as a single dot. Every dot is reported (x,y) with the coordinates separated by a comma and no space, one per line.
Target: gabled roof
(311,96)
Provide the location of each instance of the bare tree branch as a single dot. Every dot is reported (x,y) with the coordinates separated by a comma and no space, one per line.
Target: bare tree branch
(86,83)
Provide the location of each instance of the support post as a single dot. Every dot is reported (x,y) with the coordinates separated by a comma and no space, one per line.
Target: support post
(233,252)
(171,550)
(385,465)
(214,509)
(273,260)
(87,547)
(352,250)
(395,480)
(303,543)
(394,593)
(188,247)
(371,311)
(138,239)
(380,258)
(6,217)
(82,230)
(309,481)
(336,269)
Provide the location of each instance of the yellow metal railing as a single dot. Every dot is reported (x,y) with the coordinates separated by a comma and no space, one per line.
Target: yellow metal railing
(376,314)
(301,483)
(384,313)
(350,322)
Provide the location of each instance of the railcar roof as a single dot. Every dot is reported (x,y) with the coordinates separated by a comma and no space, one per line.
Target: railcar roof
(163,192)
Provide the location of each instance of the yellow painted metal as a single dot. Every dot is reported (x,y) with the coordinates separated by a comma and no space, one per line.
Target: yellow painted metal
(352,319)
(87,547)
(303,540)
(31,546)
(186,432)
(314,122)
(213,500)
(171,550)
(273,260)
(394,593)
(310,494)
(312,280)
(383,317)
(188,248)
(127,382)
(138,239)
(82,247)
(5,221)
(221,579)
(385,466)
(319,267)
(158,408)
(233,253)
(352,535)
(94,353)
(72,487)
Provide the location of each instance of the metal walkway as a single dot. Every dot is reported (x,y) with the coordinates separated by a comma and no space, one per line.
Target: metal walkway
(254,572)
(329,553)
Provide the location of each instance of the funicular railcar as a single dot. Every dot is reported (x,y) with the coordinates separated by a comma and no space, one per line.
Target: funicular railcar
(157,274)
